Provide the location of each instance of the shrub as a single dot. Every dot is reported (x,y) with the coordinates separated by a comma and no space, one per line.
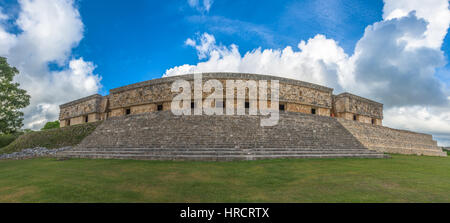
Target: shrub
(51,125)
(6,139)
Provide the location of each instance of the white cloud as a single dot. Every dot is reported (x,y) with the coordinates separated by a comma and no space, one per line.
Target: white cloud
(7,40)
(394,62)
(57,88)
(3,16)
(207,4)
(427,119)
(434,11)
(49,31)
(320,60)
(201,5)
(207,44)
(386,69)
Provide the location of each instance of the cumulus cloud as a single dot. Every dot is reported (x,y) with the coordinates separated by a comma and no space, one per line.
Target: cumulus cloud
(434,11)
(201,5)
(394,62)
(319,60)
(428,119)
(206,45)
(7,40)
(49,30)
(390,71)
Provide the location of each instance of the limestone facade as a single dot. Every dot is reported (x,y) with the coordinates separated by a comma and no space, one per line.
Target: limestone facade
(356,108)
(88,109)
(156,95)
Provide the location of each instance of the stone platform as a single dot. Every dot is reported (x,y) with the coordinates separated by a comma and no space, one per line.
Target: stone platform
(163,136)
(388,140)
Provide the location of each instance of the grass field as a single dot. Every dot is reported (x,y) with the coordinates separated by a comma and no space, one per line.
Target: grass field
(399,179)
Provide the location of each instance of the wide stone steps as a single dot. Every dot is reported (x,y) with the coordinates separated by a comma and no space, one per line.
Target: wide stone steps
(219,152)
(218,156)
(164,136)
(211,149)
(212,154)
(402,150)
(384,139)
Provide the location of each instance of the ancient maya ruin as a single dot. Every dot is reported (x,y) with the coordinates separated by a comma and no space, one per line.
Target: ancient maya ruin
(137,123)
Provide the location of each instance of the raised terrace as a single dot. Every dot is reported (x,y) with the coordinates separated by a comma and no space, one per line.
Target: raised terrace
(312,123)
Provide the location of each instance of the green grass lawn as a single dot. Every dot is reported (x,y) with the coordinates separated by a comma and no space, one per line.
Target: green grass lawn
(399,179)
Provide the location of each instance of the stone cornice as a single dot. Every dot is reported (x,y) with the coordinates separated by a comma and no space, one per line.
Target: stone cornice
(346,94)
(88,98)
(219,75)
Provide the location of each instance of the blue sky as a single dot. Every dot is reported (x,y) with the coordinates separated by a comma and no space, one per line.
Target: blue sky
(392,51)
(132,42)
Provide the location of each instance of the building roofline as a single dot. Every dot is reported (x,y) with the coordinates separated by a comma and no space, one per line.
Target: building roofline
(94,96)
(346,94)
(221,75)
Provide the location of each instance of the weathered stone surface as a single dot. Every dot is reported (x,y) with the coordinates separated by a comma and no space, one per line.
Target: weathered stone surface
(34,152)
(221,76)
(162,135)
(388,140)
(296,135)
(296,96)
(83,106)
(353,104)
(160,92)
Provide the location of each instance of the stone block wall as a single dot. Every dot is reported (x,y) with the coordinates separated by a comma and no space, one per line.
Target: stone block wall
(83,106)
(388,140)
(296,96)
(93,117)
(359,118)
(77,120)
(76,112)
(353,107)
(307,109)
(143,108)
(158,91)
(117,112)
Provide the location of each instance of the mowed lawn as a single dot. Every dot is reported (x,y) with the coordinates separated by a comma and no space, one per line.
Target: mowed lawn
(399,179)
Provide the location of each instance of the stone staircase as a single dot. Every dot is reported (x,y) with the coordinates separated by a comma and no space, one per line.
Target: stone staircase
(211,154)
(388,140)
(163,136)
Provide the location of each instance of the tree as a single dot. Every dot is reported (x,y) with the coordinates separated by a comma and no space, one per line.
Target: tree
(51,125)
(12,99)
